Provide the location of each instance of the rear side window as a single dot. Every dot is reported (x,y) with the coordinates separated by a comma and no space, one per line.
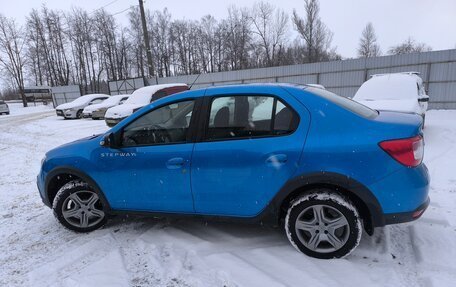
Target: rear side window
(249,116)
(345,103)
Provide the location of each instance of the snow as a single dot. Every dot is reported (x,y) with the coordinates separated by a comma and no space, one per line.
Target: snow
(389,87)
(138,251)
(18,109)
(391,92)
(82,100)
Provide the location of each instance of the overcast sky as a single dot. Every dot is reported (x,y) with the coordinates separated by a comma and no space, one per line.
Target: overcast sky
(429,21)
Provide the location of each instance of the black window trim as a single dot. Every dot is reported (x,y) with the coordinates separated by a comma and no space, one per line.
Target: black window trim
(206,110)
(192,129)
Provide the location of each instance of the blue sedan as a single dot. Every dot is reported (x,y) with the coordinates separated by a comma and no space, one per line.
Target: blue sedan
(321,165)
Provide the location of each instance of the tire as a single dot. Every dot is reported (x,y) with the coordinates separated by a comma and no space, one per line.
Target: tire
(79,114)
(79,208)
(334,233)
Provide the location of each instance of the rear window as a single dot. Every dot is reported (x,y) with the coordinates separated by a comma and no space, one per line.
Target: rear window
(345,103)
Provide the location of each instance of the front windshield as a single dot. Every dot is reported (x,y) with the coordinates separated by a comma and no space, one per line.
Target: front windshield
(139,98)
(112,100)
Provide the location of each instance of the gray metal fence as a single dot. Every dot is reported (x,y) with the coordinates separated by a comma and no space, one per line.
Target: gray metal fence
(65,94)
(126,86)
(438,70)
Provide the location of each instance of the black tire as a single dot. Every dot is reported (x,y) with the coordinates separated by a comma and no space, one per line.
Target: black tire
(330,203)
(79,114)
(86,209)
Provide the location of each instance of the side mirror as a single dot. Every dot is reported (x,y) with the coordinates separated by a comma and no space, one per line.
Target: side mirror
(110,140)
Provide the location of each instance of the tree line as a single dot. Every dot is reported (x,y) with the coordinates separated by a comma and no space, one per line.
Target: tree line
(89,48)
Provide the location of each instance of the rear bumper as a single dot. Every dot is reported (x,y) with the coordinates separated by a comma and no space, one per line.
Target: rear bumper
(403,195)
(393,218)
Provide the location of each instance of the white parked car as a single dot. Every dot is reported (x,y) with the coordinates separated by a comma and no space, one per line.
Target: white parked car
(97,111)
(140,98)
(400,92)
(73,110)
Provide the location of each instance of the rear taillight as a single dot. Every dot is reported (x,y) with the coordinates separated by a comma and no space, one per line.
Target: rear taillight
(408,151)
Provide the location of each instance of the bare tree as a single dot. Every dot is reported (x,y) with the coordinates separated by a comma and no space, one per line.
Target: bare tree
(12,59)
(316,35)
(409,46)
(270,28)
(368,46)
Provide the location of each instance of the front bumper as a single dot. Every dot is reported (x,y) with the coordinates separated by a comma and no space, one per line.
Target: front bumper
(86,115)
(59,113)
(70,114)
(40,186)
(98,114)
(112,122)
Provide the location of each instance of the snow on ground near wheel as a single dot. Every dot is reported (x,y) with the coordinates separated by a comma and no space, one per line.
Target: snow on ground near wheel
(136,251)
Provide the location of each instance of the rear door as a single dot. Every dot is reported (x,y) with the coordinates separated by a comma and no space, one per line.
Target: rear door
(250,147)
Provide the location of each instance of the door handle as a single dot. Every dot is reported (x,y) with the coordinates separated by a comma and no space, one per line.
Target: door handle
(277,159)
(174,163)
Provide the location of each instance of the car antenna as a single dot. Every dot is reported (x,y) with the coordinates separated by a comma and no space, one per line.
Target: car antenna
(194,81)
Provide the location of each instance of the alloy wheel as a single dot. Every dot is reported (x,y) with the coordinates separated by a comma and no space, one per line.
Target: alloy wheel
(83,209)
(322,228)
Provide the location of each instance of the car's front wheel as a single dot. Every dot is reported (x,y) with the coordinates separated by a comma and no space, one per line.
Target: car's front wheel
(79,114)
(78,207)
(323,224)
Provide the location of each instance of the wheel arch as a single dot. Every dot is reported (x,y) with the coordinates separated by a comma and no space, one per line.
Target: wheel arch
(366,203)
(57,177)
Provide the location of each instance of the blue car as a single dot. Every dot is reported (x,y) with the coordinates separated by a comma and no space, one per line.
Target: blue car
(323,166)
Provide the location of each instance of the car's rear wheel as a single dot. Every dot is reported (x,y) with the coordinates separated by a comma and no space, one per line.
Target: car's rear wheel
(78,207)
(323,224)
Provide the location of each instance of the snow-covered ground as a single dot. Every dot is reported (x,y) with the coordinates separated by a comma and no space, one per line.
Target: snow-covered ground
(17,109)
(133,251)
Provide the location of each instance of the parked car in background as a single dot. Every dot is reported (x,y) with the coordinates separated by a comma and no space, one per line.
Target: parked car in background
(73,110)
(321,165)
(400,92)
(4,109)
(97,111)
(140,98)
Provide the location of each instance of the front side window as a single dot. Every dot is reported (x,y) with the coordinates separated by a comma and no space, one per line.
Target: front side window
(249,116)
(167,124)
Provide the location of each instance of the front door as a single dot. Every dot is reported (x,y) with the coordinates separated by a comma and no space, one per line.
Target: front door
(151,171)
